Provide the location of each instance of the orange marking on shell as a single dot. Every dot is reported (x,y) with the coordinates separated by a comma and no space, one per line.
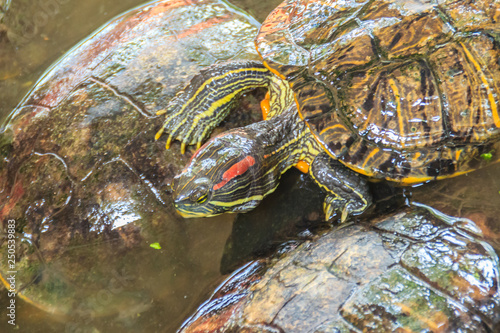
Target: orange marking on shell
(202,25)
(272,70)
(302,166)
(16,194)
(298,107)
(155,10)
(235,170)
(265,106)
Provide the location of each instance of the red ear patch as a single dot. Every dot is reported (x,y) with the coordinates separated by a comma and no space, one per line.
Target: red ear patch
(236,169)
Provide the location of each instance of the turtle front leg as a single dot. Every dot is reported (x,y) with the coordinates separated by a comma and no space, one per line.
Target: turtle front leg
(347,191)
(208,98)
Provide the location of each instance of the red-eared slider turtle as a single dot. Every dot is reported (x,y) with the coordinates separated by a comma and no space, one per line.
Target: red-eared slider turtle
(406,91)
(87,187)
(414,271)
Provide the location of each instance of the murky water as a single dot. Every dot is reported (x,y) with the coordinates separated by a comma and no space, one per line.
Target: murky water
(41,31)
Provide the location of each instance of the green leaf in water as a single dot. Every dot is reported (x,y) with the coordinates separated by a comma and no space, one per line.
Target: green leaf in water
(487,156)
(155,246)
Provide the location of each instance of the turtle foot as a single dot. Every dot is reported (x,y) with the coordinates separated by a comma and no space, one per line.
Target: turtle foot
(332,204)
(196,110)
(185,123)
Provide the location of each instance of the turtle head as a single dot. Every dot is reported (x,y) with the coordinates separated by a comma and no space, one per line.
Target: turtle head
(224,175)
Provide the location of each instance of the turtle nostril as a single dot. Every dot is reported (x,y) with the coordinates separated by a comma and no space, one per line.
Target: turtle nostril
(180,199)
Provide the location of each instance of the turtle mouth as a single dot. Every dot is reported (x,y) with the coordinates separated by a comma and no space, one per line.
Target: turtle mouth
(187,214)
(186,209)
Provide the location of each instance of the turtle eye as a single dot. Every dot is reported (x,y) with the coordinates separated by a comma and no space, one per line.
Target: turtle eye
(202,199)
(199,195)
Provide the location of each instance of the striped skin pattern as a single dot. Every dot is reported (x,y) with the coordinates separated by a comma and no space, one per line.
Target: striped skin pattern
(234,171)
(406,91)
(238,168)
(195,111)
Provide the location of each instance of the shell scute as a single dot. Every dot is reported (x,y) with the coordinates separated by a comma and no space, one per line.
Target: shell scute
(415,34)
(469,81)
(476,15)
(343,58)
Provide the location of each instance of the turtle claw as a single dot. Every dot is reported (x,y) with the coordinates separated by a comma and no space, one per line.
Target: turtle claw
(183,148)
(332,205)
(195,111)
(159,133)
(345,214)
(329,211)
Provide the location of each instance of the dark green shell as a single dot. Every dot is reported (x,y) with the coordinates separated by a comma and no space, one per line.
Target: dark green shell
(402,90)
